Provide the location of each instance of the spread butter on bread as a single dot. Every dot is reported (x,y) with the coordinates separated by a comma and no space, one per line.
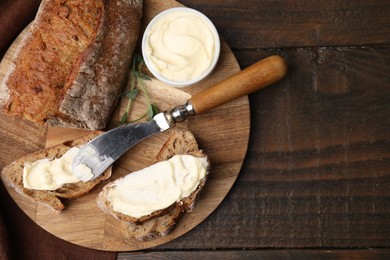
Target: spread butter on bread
(71,65)
(12,175)
(160,222)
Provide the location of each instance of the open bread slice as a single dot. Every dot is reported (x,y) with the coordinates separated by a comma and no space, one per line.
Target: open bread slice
(160,223)
(12,175)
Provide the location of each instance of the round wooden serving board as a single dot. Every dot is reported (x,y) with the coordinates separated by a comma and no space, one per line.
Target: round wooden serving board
(222,133)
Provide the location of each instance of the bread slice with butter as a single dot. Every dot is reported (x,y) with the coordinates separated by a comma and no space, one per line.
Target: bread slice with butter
(12,175)
(160,222)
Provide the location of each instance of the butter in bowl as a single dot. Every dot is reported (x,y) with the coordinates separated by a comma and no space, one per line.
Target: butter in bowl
(181,46)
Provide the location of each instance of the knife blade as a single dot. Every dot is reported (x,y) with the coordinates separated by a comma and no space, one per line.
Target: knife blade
(102,151)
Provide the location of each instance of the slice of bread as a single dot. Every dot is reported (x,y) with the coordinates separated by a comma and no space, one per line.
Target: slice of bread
(12,175)
(160,223)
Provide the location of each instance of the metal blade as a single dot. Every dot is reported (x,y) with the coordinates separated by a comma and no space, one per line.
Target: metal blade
(103,150)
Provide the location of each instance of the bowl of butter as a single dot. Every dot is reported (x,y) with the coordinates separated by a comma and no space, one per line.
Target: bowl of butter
(181,46)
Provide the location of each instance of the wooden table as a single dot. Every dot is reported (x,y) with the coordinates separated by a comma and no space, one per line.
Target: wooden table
(316,179)
(317,170)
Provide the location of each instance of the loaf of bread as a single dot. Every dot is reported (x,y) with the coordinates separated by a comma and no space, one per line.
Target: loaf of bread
(160,223)
(12,175)
(72,63)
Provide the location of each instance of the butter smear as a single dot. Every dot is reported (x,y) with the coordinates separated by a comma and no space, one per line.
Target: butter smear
(52,174)
(157,186)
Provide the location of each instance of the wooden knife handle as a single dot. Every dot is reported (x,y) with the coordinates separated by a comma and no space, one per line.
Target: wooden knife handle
(257,76)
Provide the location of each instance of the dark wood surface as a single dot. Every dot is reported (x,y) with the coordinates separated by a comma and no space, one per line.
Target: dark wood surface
(316,179)
(317,170)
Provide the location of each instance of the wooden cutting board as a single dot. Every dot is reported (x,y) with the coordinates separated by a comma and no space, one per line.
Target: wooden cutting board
(223,133)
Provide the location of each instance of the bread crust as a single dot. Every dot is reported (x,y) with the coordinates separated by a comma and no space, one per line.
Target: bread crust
(160,223)
(71,65)
(12,176)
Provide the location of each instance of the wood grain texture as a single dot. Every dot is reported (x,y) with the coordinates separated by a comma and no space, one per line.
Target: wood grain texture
(18,138)
(316,173)
(376,254)
(317,169)
(255,24)
(83,223)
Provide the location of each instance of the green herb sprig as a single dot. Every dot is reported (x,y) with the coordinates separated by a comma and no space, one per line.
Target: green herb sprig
(136,85)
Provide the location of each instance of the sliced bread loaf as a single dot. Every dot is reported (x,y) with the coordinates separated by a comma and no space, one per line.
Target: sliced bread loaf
(12,175)
(159,223)
(71,65)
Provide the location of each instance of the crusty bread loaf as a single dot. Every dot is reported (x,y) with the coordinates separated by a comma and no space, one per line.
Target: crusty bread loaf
(12,175)
(161,222)
(72,63)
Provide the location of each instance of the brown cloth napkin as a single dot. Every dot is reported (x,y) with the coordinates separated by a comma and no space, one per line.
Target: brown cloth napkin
(20,237)
(14,16)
